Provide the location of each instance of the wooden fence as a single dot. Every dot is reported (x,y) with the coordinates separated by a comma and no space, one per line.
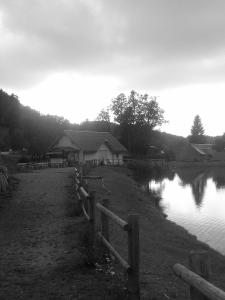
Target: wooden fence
(198,276)
(40,165)
(3,179)
(88,206)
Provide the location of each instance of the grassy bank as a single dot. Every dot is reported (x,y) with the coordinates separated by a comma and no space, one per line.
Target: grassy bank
(163,243)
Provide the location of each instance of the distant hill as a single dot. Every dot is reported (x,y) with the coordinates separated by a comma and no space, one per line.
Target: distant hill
(173,145)
(23,127)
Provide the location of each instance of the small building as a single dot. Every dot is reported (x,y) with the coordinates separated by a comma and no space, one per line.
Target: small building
(205,151)
(81,146)
(200,153)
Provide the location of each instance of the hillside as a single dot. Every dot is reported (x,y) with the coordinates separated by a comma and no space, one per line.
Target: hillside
(173,145)
(23,127)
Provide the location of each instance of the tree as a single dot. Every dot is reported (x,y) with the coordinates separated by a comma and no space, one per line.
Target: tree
(197,131)
(103,116)
(137,109)
(197,128)
(219,143)
(137,116)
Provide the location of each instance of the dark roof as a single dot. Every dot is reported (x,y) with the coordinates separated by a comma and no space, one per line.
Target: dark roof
(90,141)
(203,149)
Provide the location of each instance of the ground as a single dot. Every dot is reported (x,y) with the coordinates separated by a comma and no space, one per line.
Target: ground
(40,241)
(40,250)
(162,242)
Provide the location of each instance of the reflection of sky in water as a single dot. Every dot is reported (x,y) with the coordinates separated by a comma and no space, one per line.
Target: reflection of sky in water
(205,219)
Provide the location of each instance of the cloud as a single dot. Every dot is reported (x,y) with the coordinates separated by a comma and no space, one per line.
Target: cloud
(148,44)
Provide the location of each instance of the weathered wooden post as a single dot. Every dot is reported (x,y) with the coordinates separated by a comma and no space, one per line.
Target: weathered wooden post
(79,199)
(199,263)
(92,221)
(105,220)
(133,257)
(3,183)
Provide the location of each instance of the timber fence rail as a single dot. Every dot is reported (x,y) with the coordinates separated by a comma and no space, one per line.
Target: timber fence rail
(86,202)
(197,278)
(3,179)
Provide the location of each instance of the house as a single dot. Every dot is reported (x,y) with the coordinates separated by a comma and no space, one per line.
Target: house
(200,153)
(81,146)
(205,151)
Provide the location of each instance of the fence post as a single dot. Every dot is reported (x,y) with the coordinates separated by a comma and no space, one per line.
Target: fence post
(199,263)
(91,200)
(79,200)
(105,220)
(133,257)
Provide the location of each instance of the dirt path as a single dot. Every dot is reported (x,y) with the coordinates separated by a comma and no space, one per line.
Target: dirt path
(38,242)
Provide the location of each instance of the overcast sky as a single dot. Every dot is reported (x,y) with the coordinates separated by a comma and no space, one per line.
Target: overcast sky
(71,57)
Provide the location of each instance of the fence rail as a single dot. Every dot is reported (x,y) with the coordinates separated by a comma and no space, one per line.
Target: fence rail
(198,276)
(124,225)
(88,207)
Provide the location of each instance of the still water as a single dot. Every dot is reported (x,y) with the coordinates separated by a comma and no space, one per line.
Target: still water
(194,199)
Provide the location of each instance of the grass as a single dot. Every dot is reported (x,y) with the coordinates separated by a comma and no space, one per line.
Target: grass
(162,243)
(111,280)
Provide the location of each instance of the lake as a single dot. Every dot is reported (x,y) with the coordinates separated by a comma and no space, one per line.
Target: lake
(194,199)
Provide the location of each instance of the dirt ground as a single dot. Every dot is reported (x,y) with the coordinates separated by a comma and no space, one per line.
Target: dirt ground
(162,242)
(40,255)
(40,241)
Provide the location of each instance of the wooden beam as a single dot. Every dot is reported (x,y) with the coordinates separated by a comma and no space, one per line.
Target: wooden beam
(114,252)
(113,216)
(191,278)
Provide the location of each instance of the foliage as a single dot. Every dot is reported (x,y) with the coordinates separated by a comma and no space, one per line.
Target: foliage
(137,115)
(137,109)
(22,127)
(197,131)
(219,143)
(103,116)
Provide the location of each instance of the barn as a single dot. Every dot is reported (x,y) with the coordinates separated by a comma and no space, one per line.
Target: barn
(200,153)
(81,146)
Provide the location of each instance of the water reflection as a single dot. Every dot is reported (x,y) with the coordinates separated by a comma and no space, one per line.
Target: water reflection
(195,199)
(196,178)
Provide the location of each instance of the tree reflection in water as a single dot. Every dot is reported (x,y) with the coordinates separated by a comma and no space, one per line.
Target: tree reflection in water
(154,185)
(196,178)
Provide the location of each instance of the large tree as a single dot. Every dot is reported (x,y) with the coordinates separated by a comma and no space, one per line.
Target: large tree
(137,109)
(137,116)
(197,131)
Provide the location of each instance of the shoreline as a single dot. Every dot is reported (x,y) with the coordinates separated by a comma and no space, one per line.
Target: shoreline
(163,242)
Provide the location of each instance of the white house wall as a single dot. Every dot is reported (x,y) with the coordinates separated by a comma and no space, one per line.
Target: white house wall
(104,154)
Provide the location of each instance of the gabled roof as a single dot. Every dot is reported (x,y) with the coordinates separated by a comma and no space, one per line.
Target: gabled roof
(203,149)
(90,141)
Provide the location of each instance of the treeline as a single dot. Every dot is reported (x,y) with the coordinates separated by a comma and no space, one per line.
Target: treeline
(136,117)
(24,128)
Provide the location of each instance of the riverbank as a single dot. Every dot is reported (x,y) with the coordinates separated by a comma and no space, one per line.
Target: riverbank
(162,242)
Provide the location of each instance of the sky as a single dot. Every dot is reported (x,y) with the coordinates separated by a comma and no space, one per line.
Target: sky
(71,57)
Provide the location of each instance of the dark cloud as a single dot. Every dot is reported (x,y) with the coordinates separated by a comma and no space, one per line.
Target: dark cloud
(148,43)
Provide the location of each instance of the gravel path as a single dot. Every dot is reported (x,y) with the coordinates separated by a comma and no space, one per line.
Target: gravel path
(38,239)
